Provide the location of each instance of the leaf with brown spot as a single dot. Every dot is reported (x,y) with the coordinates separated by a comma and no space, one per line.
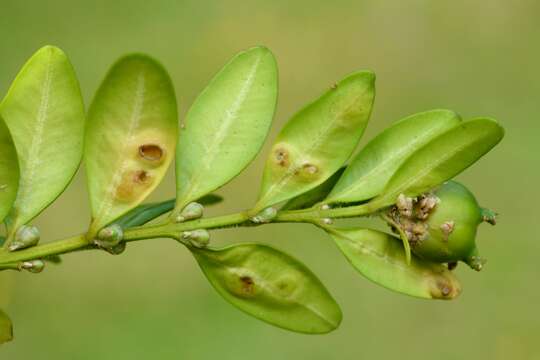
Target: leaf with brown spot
(44,112)
(130,137)
(271,286)
(318,140)
(380,258)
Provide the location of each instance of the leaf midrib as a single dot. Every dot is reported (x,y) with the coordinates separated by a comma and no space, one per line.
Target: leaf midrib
(221,134)
(106,205)
(28,175)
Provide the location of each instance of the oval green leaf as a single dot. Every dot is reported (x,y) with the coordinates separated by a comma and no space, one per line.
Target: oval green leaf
(316,142)
(44,112)
(9,171)
(227,125)
(441,159)
(315,195)
(271,286)
(370,170)
(6,328)
(380,258)
(130,137)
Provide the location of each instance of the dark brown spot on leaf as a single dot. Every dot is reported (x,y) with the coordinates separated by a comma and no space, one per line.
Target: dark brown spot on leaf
(151,152)
(310,168)
(141,176)
(282,157)
(247,284)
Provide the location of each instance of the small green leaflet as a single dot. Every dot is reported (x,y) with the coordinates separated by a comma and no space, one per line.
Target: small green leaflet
(380,258)
(130,137)
(6,328)
(9,171)
(271,286)
(318,139)
(441,159)
(227,125)
(44,112)
(370,170)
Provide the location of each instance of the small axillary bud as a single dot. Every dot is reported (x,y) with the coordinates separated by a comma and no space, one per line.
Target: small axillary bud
(425,206)
(404,205)
(109,237)
(26,236)
(33,266)
(327,221)
(199,238)
(192,211)
(265,216)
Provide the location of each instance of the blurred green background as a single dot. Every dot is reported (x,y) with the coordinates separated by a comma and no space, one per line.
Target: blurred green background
(475,57)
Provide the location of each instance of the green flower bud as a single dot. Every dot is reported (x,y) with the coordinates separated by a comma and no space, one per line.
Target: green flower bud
(192,211)
(33,266)
(198,238)
(26,236)
(265,216)
(109,237)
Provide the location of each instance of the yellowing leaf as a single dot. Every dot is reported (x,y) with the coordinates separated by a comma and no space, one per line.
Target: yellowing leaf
(130,137)
(271,286)
(316,142)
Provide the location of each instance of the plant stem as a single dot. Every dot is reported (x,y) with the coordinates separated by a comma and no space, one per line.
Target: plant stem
(174,230)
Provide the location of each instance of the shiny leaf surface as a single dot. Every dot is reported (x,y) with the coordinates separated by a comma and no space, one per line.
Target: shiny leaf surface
(441,159)
(130,137)
(370,170)
(44,112)
(380,258)
(316,142)
(227,125)
(271,286)
(9,171)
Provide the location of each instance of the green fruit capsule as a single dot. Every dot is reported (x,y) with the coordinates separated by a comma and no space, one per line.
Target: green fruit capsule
(441,226)
(451,227)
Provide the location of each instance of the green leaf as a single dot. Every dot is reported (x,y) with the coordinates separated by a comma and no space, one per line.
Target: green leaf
(44,112)
(9,171)
(315,195)
(370,170)
(380,258)
(441,159)
(130,137)
(6,328)
(316,142)
(271,286)
(227,125)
